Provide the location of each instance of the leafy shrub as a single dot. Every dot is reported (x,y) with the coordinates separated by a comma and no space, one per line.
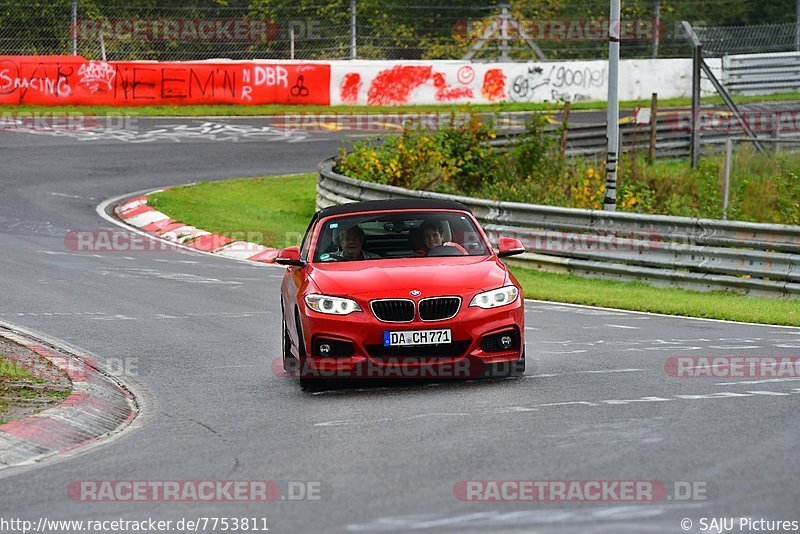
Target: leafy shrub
(460,160)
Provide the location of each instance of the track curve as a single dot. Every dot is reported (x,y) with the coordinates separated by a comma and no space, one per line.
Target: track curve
(596,403)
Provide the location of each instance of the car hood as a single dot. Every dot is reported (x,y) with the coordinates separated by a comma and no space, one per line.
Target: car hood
(396,277)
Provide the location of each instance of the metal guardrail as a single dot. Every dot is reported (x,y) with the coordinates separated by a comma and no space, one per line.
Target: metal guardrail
(672,139)
(761,73)
(704,254)
(673,136)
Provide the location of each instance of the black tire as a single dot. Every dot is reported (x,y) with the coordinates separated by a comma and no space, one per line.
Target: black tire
(307,382)
(312,384)
(506,369)
(519,366)
(289,361)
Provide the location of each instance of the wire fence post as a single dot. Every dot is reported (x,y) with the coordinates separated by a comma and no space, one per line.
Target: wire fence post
(697,67)
(614,27)
(797,26)
(657,27)
(353,51)
(504,18)
(74,27)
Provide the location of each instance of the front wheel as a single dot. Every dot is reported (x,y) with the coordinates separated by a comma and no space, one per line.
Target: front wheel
(519,365)
(506,369)
(289,361)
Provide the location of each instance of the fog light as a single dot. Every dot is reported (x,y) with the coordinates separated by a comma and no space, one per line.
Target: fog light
(506,341)
(331,348)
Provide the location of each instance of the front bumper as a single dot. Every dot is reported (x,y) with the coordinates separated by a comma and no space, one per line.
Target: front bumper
(464,357)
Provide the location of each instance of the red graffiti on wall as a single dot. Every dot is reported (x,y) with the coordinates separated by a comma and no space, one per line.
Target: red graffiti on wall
(395,85)
(494,85)
(446,93)
(351,86)
(69,80)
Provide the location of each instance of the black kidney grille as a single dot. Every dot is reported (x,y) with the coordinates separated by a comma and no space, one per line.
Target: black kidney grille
(393,311)
(437,309)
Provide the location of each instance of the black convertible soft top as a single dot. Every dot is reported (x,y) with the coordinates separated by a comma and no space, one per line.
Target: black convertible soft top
(392,204)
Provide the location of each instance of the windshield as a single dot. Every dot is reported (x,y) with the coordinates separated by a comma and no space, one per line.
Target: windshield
(398,235)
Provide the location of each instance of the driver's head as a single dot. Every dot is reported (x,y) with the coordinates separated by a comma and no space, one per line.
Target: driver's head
(432,233)
(351,240)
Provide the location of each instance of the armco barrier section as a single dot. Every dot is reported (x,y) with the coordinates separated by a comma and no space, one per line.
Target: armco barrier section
(678,251)
(72,80)
(762,73)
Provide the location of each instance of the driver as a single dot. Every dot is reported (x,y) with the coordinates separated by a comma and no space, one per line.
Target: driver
(433,235)
(351,243)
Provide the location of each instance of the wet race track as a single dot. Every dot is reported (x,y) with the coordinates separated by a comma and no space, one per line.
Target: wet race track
(598,401)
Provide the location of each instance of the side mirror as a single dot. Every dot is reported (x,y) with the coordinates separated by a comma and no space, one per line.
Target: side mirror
(508,246)
(290,256)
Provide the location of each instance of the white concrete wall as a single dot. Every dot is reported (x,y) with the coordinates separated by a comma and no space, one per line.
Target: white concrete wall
(440,82)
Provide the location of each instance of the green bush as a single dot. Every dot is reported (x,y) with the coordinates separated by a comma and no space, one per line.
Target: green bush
(460,160)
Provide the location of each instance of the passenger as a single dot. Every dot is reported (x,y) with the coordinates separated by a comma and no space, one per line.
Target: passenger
(351,243)
(433,236)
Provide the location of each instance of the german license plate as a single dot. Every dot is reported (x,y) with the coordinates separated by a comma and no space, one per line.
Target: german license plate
(416,337)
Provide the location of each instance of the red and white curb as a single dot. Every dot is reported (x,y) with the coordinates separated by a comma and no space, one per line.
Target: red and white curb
(99,406)
(137,213)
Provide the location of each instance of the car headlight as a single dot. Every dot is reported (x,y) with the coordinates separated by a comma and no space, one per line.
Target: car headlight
(496,297)
(332,305)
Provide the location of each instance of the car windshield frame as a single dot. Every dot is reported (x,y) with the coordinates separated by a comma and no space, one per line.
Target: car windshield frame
(394,228)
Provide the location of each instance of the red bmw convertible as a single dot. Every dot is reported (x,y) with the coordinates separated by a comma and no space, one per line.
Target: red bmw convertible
(400,289)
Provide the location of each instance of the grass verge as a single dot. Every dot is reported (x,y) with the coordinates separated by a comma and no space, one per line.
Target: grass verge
(22,392)
(283,205)
(9,370)
(274,109)
(276,210)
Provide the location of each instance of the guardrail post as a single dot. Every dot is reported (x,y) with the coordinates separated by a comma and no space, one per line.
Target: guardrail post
(697,60)
(728,165)
(651,154)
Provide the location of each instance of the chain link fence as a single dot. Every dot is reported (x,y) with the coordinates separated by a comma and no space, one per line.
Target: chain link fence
(720,41)
(383,29)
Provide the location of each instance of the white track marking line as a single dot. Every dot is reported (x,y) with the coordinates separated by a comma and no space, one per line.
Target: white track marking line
(752,382)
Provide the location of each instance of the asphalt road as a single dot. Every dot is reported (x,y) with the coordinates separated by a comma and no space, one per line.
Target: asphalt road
(200,334)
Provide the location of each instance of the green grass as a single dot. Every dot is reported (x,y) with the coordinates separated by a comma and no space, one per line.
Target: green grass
(9,370)
(275,209)
(639,296)
(284,205)
(274,109)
